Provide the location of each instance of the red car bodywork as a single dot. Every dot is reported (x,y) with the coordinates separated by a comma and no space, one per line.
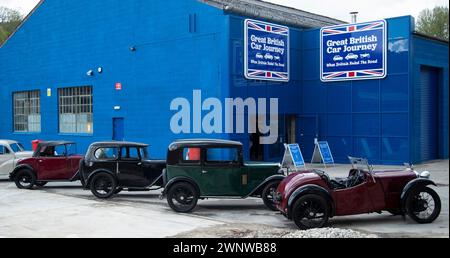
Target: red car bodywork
(54,169)
(380,191)
(51,168)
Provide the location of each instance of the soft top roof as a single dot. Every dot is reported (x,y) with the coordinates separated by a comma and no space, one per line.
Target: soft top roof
(118,144)
(203,143)
(54,143)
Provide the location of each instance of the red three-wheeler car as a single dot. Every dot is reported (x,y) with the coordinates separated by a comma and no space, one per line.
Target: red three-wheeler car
(310,198)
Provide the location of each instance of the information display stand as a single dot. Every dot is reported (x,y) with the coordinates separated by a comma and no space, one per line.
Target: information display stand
(322,154)
(293,158)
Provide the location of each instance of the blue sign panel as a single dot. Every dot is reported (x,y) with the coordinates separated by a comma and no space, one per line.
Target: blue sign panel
(266,51)
(297,156)
(354,51)
(326,153)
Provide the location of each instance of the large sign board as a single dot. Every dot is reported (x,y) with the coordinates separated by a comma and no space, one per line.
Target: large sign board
(354,51)
(322,154)
(293,157)
(266,51)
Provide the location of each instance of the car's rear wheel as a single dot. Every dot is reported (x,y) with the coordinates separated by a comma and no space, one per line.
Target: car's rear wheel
(310,211)
(423,205)
(268,195)
(41,184)
(103,185)
(182,197)
(25,179)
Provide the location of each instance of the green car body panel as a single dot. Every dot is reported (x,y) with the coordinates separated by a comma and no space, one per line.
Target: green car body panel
(233,181)
(237,180)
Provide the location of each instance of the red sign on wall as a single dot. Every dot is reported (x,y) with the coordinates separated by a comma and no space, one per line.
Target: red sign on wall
(118,86)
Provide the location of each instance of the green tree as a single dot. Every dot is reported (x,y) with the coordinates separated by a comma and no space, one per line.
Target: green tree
(434,22)
(9,20)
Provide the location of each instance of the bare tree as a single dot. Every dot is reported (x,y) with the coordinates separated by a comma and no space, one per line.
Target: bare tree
(434,22)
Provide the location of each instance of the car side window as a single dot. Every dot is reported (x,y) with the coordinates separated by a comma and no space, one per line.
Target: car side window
(129,153)
(191,156)
(222,156)
(3,150)
(53,151)
(104,154)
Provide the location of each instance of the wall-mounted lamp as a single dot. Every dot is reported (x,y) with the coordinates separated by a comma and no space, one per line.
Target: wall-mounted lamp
(133,48)
(100,70)
(90,73)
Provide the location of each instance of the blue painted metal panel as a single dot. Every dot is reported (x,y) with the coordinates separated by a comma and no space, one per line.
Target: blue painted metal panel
(176,53)
(64,39)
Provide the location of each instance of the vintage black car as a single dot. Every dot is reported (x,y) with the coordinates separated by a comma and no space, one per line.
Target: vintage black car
(111,167)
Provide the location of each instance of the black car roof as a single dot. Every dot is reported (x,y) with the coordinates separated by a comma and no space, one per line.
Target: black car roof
(203,143)
(118,144)
(54,143)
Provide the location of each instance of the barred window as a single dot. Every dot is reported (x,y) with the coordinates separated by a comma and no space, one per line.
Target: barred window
(75,110)
(27,111)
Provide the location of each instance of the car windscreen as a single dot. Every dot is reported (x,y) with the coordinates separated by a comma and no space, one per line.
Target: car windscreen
(71,149)
(17,147)
(144,153)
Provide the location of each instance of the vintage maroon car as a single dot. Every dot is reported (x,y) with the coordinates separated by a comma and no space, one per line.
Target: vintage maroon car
(51,162)
(310,198)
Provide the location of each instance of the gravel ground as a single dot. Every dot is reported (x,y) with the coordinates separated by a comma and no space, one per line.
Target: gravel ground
(261,231)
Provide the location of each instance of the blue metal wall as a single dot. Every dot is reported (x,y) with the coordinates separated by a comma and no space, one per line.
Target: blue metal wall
(185,45)
(362,118)
(63,39)
(287,93)
(429,67)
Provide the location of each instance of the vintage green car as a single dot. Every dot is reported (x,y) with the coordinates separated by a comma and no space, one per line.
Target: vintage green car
(203,169)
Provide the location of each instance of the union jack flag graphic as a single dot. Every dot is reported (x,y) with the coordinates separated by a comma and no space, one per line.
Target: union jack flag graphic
(353,28)
(264,71)
(376,73)
(267,27)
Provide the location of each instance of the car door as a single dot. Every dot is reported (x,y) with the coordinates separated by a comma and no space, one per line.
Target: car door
(131,170)
(6,160)
(53,163)
(354,200)
(104,158)
(221,172)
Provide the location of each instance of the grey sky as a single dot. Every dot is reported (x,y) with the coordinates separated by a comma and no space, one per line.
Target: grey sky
(369,10)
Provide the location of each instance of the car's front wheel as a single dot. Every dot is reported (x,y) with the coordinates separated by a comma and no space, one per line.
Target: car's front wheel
(423,205)
(310,211)
(25,179)
(103,185)
(182,197)
(268,195)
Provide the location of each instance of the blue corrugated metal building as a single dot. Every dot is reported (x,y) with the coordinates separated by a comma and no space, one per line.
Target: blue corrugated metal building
(100,70)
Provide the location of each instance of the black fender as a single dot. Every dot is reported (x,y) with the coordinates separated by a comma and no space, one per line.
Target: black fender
(179,179)
(261,186)
(417,183)
(12,175)
(311,189)
(87,184)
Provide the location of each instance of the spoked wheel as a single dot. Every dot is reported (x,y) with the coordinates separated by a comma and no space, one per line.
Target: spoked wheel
(268,195)
(103,186)
(182,197)
(25,179)
(423,205)
(310,211)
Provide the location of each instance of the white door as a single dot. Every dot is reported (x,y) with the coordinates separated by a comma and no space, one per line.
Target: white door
(6,161)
